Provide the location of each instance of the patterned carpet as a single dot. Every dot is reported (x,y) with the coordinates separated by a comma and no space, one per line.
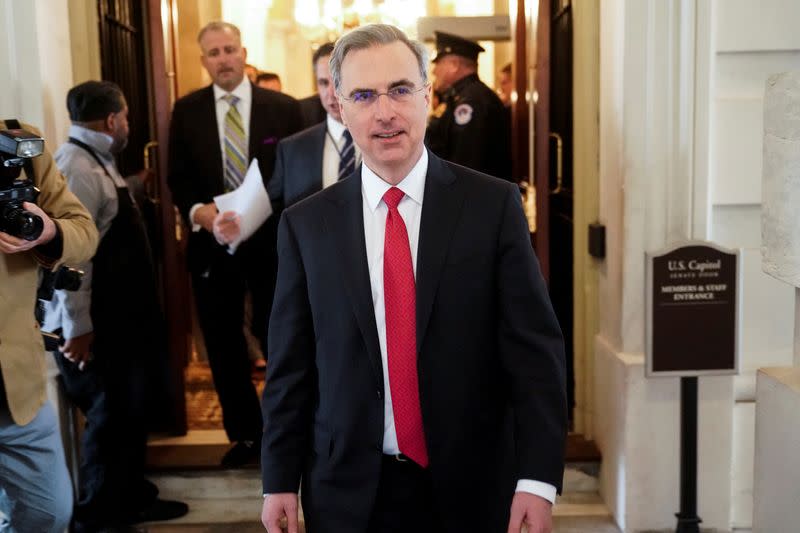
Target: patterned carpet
(202,404)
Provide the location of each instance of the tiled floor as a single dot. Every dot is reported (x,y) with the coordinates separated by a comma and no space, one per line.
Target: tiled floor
(202,403)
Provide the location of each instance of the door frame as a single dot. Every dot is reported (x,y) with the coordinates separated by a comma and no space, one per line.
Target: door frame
(586,135)
(586,207)
(175,284)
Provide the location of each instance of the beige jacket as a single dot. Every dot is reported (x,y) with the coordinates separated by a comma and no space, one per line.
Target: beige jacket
(21,348)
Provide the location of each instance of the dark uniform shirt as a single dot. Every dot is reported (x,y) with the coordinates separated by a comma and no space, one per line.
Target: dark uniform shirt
(471,127)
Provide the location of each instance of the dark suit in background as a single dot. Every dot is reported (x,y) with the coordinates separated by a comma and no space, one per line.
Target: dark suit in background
(313,112)
(489,349)
(220,280)
(298,167)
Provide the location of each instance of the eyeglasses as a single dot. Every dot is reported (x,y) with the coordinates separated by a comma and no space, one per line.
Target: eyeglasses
(400,94)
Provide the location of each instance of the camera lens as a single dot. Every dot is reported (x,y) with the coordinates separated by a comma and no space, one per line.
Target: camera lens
(20,223)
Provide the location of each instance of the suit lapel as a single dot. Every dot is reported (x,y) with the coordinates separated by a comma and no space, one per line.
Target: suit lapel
(318,162)
(209,128)
(345,220)
(440,210)
(256,126)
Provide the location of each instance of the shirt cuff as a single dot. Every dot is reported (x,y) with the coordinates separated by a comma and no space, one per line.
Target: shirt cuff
(538,488)
(195,227)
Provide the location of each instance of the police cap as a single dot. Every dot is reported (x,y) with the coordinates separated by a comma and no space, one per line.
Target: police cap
(447,43)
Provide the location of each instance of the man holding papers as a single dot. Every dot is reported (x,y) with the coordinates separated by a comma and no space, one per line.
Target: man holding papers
(214,134)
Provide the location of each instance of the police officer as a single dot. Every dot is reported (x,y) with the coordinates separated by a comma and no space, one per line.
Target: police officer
(469,126)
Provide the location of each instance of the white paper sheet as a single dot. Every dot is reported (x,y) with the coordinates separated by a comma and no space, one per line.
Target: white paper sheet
(250,200)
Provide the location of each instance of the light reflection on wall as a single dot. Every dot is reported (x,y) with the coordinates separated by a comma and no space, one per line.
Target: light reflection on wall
(472,8)
(251,16)
(280,34)
(320,20)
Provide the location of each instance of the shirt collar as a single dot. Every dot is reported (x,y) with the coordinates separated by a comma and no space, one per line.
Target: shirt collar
(100,142)
(413,185)
(243,90)
(335,128)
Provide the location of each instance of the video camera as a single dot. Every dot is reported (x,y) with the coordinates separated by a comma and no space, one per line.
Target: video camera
(18,147)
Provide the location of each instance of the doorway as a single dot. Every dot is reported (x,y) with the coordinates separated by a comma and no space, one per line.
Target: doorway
(132,55)
(560,184)
(562,48)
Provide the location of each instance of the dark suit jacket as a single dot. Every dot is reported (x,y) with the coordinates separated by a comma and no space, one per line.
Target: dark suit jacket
(490,356)
(313,112)
(195,158)
(298,166)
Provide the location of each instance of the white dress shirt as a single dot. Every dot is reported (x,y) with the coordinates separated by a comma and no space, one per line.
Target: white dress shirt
(334,142)
(413,185)
(245,93)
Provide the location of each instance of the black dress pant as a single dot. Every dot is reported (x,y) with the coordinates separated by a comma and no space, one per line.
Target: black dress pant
(405,499)
(110,392)
(220,294)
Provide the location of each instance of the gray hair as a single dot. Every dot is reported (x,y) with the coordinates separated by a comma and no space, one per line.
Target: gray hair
(219,25)
(374,35)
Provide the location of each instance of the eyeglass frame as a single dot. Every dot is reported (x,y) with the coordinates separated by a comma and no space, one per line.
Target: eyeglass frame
(388,94)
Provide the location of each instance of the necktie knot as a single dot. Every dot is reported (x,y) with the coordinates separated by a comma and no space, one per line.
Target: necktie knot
(392,198)
(348,139)
(232,99)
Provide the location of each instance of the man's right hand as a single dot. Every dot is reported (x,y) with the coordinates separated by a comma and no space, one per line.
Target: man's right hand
(280,511)
(205,215)
(79,349)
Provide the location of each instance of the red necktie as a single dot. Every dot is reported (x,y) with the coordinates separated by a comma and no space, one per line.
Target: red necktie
(399,297)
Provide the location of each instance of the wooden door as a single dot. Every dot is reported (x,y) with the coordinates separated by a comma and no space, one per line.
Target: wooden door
(560,180)
(546,38)
(134,55)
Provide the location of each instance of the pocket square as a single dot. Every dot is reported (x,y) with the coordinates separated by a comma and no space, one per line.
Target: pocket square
(270,140)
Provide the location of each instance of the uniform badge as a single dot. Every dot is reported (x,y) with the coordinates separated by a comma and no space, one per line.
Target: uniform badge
(463,114)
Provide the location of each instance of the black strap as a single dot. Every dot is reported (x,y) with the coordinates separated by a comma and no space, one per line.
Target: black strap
(81,144)
(14,124)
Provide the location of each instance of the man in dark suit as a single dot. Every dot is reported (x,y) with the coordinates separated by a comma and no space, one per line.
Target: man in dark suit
(214,133)
(313,110)
(318,156)
(416,376)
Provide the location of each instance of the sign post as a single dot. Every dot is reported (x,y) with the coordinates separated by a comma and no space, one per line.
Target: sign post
(692,330)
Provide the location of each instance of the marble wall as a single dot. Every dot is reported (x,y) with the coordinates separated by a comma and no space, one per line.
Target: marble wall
(780,219)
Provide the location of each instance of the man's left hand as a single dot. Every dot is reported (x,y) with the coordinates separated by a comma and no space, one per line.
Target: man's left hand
(227,227)
(11,245)
(534,512)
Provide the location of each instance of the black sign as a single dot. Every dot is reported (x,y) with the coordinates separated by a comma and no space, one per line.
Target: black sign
(693,310)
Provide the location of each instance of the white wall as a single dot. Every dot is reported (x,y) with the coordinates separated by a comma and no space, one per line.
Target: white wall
(680,157)
(35,59)
(753,40)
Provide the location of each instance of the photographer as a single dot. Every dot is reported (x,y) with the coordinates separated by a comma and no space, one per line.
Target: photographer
(112,326)
(33,471)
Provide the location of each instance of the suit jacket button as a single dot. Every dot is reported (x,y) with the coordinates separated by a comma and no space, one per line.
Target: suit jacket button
(380,395)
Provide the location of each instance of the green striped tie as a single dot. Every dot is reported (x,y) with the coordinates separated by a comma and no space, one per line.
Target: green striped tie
(235,145)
